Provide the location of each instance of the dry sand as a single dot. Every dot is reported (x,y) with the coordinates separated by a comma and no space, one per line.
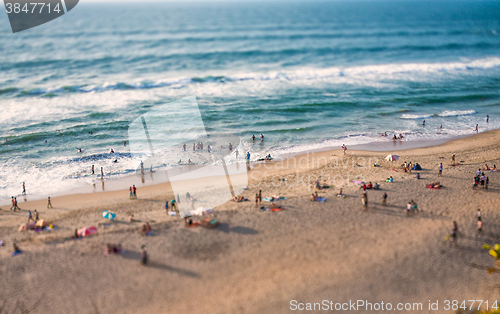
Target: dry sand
(258,261)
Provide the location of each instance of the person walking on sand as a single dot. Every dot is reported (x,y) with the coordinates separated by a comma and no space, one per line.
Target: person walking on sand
(479,226)
(15,204)
(131,194)
(384,199)
(477,129)
(453,159)
(30,216)
(144,255)
(256,199)
(35,213)
(49,203)
(344,148)
(440,173)
(486,183)
(134,191)
(260,197)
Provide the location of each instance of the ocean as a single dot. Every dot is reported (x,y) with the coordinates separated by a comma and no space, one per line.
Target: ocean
(306,74)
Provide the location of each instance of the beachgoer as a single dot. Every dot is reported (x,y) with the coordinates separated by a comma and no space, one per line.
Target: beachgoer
(125,143)
(189,161)
(248,156)
(16,249)
(102,174)
(453,159)
(134,191)
(174,205)
(409,208)
(36,215)
(92,169)
(477,130)
(236,153)
(417,176)
(340,192)
(260,196)
(194,147)
(440,173)
(479,214)
(344,148)
(384,198)
(230,147)
(15,204)
(370,186)
(261,137)
(364,199)
(30,217)
(313,197)
(253,138)
(423,123)
(478,172)
(24,188)
(487,118)
(486,167)
(131,194)
(486,183)
(144,255)
(184,147)
(256,199)
(376,186)
(479,226)
(131,218)
(482,178)
(49,203)
(142,167)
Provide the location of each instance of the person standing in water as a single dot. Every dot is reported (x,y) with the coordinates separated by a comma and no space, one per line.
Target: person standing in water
(423,123)
(102,174)
(487,118)
(92,169)
(262,137)
(253,138)
(477,128)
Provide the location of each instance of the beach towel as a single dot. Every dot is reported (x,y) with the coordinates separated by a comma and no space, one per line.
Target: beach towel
(394,170)
(171,213)
(321,199)
(341,195)
(264,208)
(16,253)
(272,199)
(194,224)
(276,209)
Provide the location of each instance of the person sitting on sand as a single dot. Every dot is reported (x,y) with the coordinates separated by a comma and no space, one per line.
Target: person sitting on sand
(376,186)
(434,185)
(486,167)
(494,167)
(131,218)
(313,197)
(16,249)
(389,180)
(146,229)
(417,176)
(340,192)
(76,235)
(188,221)
(370,186)
(275,206)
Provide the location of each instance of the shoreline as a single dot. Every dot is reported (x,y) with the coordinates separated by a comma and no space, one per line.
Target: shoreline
(111,188)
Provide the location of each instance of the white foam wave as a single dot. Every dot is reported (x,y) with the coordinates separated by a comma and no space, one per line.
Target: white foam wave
(453,113)
(415,116)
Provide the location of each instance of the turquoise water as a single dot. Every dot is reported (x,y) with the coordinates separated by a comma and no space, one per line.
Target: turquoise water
(305,74)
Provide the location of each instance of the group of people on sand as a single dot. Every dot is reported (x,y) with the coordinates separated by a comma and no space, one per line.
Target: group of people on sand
(258,198)
(239,198)
(411,208)
(133,192)
(370,186)
(407,167)
(481,179)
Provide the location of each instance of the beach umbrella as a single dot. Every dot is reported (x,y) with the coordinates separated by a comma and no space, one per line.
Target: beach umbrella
(86,231)
(108,215)
(391,157)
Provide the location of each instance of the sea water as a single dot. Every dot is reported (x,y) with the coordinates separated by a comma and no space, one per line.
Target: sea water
(306,74)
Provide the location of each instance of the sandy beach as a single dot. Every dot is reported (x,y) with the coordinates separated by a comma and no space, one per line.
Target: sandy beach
(259,261)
